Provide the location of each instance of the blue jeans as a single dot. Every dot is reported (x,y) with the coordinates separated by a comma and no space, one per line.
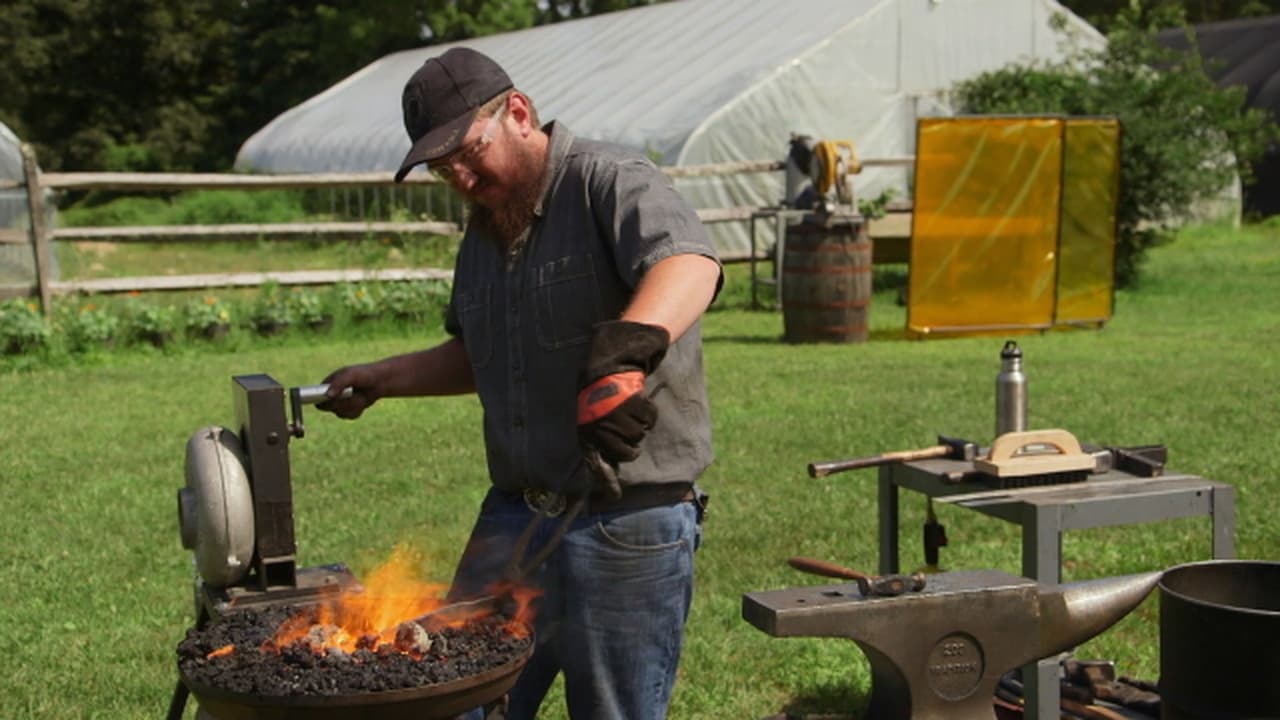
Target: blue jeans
(615,597)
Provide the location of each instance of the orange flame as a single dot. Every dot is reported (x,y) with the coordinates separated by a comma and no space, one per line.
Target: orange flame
(370,615)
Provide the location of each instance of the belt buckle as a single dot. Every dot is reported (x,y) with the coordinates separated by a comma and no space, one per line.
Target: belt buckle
(544,501)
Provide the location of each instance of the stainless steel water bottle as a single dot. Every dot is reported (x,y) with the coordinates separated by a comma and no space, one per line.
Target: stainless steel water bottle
(1011,391)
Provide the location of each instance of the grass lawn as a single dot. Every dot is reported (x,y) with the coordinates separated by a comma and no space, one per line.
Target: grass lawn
(97,588)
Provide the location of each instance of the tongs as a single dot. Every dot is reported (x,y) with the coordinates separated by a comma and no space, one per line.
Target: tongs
(516,570)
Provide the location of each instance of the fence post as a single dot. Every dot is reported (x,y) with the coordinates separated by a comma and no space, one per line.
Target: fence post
(39,231)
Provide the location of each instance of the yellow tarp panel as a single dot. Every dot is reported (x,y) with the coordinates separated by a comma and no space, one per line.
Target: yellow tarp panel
(1014,224)
(985,228)
(1086,270)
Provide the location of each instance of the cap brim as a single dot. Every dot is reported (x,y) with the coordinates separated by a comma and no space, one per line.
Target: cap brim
(438,143)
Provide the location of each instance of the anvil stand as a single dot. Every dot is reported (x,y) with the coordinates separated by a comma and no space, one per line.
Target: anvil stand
(1045,512)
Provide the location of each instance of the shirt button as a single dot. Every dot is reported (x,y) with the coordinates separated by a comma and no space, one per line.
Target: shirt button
(517,422)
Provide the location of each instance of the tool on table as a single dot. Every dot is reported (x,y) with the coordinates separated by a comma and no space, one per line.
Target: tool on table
(947,447)
(1141,460)
(1035,457)
(868,585)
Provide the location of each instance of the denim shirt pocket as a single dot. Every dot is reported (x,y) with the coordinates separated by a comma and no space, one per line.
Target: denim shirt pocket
(566,301)
(474,309)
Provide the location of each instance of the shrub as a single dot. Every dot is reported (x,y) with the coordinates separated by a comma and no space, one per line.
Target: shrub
(23,327)
(88,327)
(361,301)
(1179,129)
(207,317)
(271,312)
(152,324)
(309,309)
(413,300)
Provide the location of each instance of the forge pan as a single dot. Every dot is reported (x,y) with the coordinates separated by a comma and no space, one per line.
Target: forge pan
(430,702)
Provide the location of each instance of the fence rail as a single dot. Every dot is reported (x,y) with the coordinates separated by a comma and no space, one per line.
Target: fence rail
(41,238)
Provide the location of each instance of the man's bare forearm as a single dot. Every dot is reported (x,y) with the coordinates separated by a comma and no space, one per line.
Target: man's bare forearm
(441,370)
(674,293)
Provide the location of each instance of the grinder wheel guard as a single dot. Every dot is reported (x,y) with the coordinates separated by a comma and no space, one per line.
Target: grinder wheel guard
(465,668)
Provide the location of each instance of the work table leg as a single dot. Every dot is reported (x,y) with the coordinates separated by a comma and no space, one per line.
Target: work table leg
(888,501)
(1042,562)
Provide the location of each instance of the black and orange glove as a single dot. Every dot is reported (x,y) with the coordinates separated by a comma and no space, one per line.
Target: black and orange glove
(613,413)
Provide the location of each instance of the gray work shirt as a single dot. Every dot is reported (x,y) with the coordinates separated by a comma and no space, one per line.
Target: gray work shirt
(607,216)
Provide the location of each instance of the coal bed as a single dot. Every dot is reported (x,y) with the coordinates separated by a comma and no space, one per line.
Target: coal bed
(236,654)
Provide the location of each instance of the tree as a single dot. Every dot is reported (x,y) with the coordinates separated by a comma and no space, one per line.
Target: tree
(104,83)
(180,84)
(1183,138)
(1101,13)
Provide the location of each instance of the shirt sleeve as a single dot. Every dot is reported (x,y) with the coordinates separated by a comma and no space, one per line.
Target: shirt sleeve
(646,220)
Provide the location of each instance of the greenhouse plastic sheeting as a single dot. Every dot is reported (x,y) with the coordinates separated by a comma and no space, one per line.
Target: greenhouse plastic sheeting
(1014,224)
(706,81)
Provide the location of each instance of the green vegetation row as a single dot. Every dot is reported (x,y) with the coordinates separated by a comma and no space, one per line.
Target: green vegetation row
(94,325)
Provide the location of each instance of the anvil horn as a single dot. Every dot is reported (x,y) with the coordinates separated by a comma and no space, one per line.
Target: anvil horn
(1071,614)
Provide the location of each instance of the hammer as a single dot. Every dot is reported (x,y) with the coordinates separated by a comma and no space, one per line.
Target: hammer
(868,585)
(947,447)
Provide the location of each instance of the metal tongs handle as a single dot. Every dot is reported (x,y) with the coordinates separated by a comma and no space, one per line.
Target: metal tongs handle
(516,569)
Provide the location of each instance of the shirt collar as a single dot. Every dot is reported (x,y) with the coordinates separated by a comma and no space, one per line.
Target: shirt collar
(557,151)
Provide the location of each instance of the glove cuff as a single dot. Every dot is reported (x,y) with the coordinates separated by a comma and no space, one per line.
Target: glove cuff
(622,345)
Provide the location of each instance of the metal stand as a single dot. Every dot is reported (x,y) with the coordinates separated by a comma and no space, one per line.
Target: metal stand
(1045,512)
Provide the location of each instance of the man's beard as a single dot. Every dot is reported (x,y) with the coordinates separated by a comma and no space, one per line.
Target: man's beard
(508,222)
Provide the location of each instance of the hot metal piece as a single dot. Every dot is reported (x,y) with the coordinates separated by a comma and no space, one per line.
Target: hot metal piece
(940,653)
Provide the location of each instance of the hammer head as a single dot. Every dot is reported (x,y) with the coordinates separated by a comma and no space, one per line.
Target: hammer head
(958,449)
(890,585)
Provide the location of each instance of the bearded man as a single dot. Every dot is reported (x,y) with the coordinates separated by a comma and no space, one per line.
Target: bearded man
(574,316)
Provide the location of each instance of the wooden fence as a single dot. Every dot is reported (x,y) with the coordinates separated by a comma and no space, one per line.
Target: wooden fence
(41,237)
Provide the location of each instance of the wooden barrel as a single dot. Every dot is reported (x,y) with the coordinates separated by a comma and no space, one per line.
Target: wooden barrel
(826,281)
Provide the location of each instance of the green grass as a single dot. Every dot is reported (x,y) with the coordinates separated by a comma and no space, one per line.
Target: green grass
(97,587)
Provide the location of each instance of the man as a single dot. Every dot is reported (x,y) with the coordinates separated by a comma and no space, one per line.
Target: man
(574,315)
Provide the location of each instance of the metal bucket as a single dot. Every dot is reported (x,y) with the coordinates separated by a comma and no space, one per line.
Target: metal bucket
(826,281)
(1219,633)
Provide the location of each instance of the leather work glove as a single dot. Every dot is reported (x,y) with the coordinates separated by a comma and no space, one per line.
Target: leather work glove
(613,413)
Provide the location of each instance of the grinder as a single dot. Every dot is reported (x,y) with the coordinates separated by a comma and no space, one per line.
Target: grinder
(236,511)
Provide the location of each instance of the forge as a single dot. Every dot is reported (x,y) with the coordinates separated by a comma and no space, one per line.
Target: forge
(275,640)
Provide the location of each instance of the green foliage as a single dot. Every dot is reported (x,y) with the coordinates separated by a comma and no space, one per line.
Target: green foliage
(23,327)
(156,85)
(271,311)
(203,316)
(308,307)
(151,322)
(413,300)
(87,327)
(1101,13)
(201,207)
(1180,132)
(876,207)
(361,301)
(474,18)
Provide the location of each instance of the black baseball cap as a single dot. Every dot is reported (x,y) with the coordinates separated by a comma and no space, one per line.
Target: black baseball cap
(441,99)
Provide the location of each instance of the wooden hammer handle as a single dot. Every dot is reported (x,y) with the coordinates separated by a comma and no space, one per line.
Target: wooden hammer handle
(824,568)
(834,466)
